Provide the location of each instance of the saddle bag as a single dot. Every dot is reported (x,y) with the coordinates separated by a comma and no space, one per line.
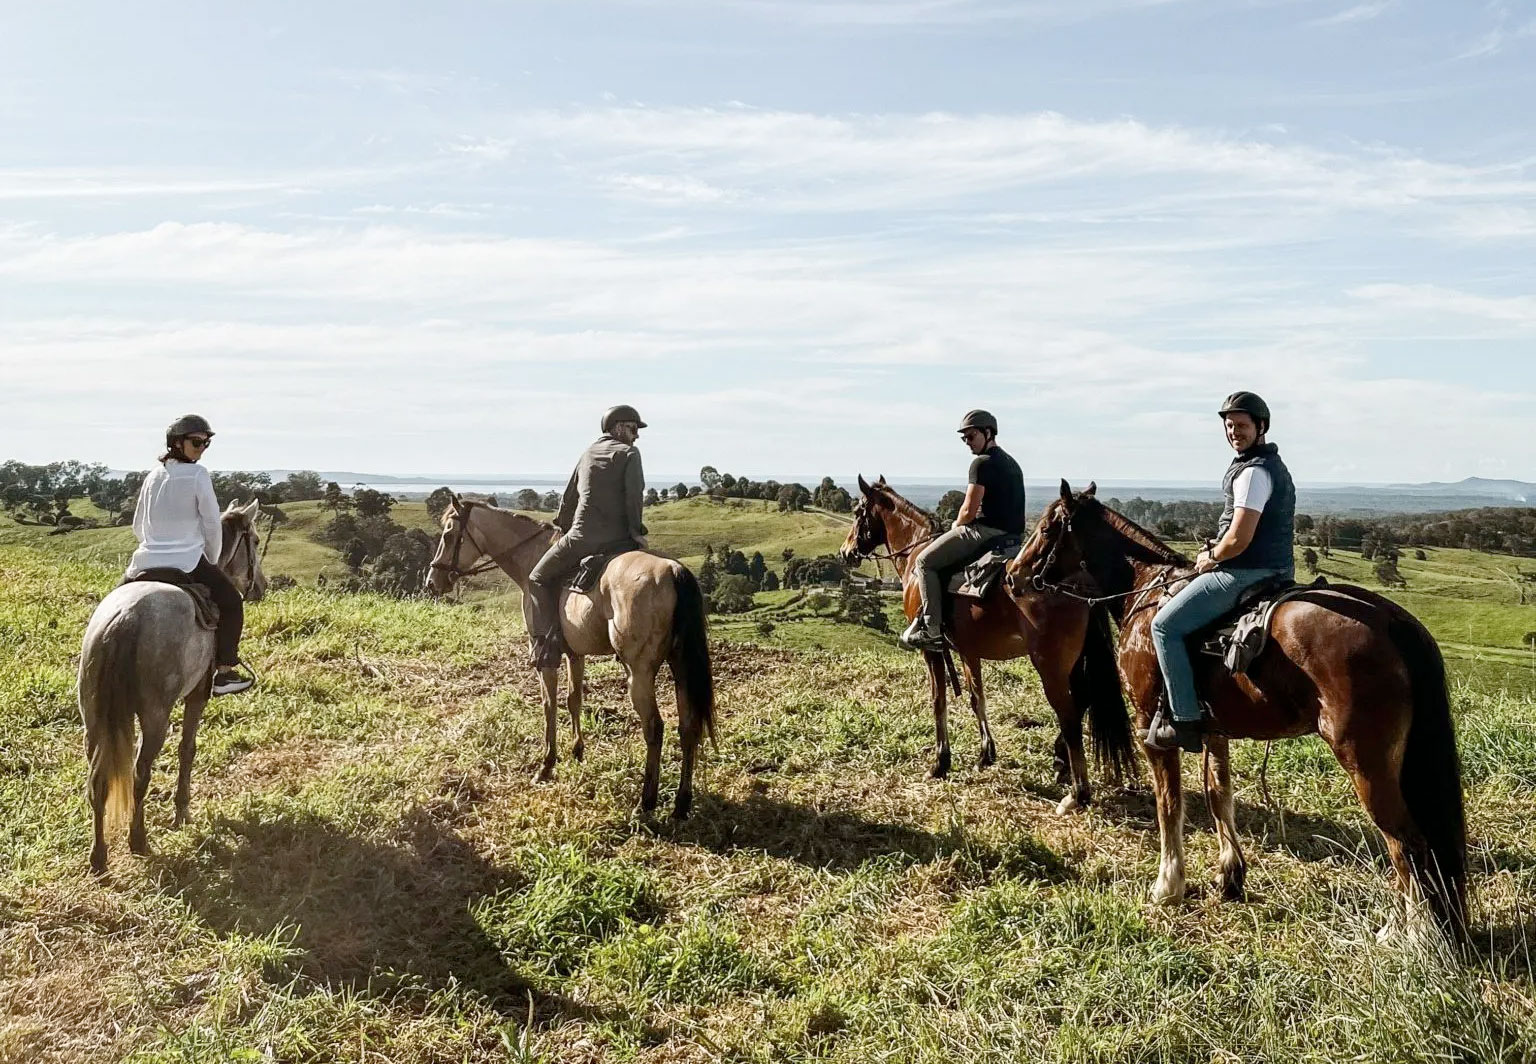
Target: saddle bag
(1240,637)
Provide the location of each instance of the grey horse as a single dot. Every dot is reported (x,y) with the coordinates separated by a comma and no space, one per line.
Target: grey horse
(143,652)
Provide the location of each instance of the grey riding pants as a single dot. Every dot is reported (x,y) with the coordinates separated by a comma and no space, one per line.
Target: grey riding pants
(545,582)
(949,551)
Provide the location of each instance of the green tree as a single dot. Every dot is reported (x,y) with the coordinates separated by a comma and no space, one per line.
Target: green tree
(732,594)
(709,576)
(334,498)
(1309,559)
(709,477)
(371,503)
(949,506)
(302,485)
(679,490)
(1387,574)
(526,499)
(652,497)
(438,502)
(757,569)
(771,581)
(550,501)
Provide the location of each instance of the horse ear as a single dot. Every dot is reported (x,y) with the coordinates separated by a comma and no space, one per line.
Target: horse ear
(253,511)
(1066,491)
(234,504)
(458,503)
(864,486)
(1093,489)
(882,482)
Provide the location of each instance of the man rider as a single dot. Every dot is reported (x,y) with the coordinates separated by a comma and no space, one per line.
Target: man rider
(993,508)
(599,514)
(1253,544)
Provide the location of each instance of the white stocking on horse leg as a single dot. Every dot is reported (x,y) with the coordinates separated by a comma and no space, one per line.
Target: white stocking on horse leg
(1169,888)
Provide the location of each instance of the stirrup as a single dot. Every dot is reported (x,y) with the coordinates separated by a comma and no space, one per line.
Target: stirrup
(1164,733)
(916,637)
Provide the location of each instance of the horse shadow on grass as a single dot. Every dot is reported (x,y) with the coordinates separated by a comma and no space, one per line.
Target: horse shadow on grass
(390,918)
(842,840)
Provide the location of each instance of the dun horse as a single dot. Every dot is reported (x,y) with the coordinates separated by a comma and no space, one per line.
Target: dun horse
(1343,662)
(143,652)
(1068,643)
(645,609)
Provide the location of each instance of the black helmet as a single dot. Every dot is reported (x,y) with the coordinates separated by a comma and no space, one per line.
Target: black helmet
(1247,403)
(978,419)
(186,425)
(622,412)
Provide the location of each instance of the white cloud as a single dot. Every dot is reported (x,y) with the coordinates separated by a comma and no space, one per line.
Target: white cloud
(1359,13)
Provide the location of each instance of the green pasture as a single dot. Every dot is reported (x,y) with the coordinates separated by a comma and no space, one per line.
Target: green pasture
(370,875)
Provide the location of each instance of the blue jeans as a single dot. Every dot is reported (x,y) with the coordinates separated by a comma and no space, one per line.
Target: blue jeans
(1203,599)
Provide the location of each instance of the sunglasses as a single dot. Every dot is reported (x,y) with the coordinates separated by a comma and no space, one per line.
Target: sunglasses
(199,441)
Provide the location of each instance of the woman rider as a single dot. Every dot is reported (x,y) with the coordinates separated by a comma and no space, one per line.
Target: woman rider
(180,533)
(1253,544)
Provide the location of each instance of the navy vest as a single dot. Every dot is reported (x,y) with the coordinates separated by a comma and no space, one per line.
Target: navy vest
(1271,546)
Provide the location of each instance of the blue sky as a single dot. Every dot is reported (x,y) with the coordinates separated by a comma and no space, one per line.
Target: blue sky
(799,235)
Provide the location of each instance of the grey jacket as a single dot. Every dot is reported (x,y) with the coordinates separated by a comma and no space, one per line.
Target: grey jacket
(605,496)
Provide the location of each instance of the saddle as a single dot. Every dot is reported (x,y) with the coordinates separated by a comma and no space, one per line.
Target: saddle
(1238,638)
(978,577)
(203,606)
(590,571)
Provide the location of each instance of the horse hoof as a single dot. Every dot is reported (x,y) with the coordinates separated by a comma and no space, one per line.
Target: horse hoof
(682,806)
(988,756)
(1167,894)
(138,847)
(99,864)
(578,751)
(940,769)
(545,775)
(180,819)
(1232,885)
(1069,805)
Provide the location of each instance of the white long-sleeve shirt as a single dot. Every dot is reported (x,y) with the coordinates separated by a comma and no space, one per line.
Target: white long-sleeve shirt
(176,520)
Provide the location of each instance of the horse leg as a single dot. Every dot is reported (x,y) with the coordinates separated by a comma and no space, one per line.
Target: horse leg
(642,695)
(154,725)
(979,707)
(690,732)
(98,790)
(1061,759)
(191,718)
(575,669)
(1218,788)
(1169,789)
(1377,783)
(937,683)
(549,684)
(1058,692)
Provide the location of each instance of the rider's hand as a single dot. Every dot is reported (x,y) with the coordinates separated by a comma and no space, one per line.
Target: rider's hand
(1205,563)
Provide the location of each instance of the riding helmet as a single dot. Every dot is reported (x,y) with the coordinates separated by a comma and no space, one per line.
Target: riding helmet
(622,412)
(978,419)
(1247,403)
(186,425)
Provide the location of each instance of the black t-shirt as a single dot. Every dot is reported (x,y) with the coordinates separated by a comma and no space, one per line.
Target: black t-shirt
(1002,504)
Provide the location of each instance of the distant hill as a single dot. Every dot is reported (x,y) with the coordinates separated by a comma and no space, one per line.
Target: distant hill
(1480,487)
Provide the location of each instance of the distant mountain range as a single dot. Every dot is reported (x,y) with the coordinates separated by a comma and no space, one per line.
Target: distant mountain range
(1311,498)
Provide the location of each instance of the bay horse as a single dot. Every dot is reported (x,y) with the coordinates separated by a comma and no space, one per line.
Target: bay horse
(144,651)
(1068,642)
(1341,661)
(646,610)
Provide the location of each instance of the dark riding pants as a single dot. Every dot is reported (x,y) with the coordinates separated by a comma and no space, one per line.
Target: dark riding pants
(226,596)
(545,582)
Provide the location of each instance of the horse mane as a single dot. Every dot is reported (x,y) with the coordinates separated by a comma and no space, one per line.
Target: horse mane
(908,508)
(1150,548)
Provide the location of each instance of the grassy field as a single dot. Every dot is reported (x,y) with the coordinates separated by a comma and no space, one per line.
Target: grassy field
(369,875)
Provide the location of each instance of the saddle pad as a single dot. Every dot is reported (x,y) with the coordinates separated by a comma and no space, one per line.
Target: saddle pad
(203,607)
(589,572)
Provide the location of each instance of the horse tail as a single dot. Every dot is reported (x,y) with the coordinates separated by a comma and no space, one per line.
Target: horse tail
(109,703)
(1095,686)
(1430,778)
(691,672)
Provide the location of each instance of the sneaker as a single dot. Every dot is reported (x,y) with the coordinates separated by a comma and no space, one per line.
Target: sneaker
(230,682)
(919,636)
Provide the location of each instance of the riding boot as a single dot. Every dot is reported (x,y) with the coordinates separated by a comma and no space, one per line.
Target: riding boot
(1166,733)
(922,635)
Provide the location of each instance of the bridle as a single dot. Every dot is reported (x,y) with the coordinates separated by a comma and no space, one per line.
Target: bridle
(1039,583)
(246,540)
(890,555)
(461,533)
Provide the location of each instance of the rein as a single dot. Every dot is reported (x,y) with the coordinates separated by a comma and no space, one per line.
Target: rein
(1039,583)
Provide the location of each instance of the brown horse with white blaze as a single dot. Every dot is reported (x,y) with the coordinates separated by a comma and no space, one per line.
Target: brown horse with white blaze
(646,610)
(1068,643)
(1341,661)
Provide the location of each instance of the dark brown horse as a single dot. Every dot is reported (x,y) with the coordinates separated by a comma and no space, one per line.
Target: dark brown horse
(1343,662)
(1068,642)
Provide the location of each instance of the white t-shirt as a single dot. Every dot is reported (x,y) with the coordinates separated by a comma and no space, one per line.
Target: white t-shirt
(176,520)
(1252,488)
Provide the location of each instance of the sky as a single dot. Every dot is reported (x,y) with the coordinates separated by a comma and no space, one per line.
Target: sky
(799,235)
